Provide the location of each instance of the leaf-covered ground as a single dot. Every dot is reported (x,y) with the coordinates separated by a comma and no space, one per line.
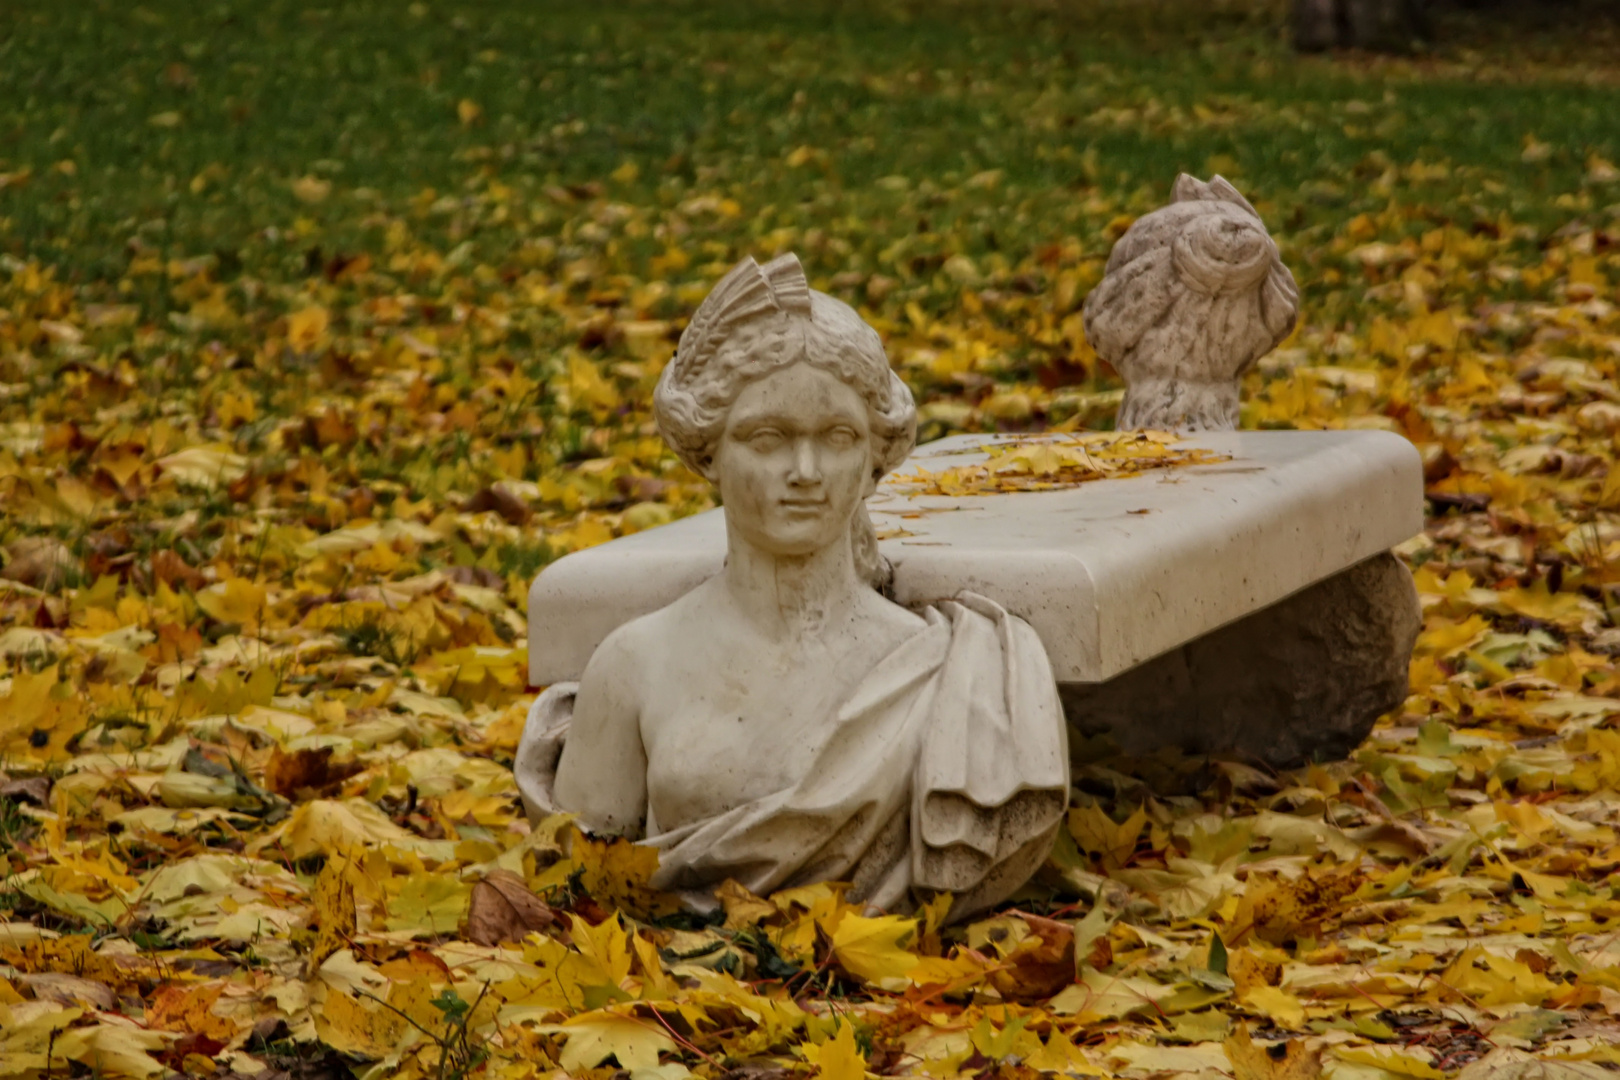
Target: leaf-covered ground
(322,329)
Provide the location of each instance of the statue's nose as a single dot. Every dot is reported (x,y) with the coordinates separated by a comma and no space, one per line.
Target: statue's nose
(806,463)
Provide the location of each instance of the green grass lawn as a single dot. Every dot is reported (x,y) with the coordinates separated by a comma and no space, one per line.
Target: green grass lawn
(183,127)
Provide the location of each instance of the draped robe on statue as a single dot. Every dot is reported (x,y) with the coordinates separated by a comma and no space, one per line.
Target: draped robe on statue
(947,770)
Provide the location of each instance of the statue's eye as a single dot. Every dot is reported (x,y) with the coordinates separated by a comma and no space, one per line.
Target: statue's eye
(842,438)
(764,439)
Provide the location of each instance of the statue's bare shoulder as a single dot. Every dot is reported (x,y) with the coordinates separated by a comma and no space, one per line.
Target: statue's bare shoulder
(634,655)
(892,620)
(623,657)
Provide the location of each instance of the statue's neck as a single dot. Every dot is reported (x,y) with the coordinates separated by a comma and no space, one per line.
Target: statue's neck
(791,596)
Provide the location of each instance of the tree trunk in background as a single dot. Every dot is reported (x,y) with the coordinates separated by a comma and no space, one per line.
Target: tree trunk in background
(1380,25)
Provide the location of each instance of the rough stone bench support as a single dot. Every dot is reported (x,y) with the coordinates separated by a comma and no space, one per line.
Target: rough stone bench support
(1302,680)
(1247,607)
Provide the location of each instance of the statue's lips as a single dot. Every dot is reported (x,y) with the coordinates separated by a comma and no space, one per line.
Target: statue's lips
(803,506)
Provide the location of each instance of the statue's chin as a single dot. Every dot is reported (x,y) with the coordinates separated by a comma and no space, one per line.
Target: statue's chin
(794,539)
(1179,405)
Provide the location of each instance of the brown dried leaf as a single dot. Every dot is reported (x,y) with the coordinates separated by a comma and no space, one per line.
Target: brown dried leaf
(497,498)
(174,571)
(308,772)
(40,562)
(34,789)
(504,910)
(1041,964)
(68,990)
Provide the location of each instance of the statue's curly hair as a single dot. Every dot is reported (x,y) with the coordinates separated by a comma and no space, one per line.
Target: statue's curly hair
(760,319)
(1193,295)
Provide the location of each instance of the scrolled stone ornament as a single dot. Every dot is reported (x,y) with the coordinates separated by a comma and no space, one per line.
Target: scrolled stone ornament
(1193,295)
(784,723)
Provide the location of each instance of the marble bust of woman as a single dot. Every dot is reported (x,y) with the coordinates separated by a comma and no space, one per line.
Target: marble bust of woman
(784,723)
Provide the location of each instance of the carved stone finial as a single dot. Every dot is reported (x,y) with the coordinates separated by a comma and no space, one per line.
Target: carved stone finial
(1193,295)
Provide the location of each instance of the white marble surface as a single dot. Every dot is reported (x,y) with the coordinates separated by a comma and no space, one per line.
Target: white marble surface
(1105,585)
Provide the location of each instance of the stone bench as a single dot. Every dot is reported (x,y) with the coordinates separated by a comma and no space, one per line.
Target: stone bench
(1246,607)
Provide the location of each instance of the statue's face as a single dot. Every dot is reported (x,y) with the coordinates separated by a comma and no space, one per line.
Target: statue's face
(795,460)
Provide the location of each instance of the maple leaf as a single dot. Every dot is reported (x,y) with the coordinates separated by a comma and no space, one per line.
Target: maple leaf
(235,601)
(328,827)
(1567,610)
(1279,910)
(997,1043)
(1390,1059)
(952,974)
(37,721)
(114,1049)
(1496,980)
(204,466)
(1099,996)
(430,904)
(1278,1004)
(1104,840)
(306,328)
(1251,1062)
(615,872)
(838,1058)
(334,912)
(875,950)
(593,1037)
(29,1034)
(183,1009)
(1170,1059)
(1510,1064)
(742,907)
(607,945)
(352,1026)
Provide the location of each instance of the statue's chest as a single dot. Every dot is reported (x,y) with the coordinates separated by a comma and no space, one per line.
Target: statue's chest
(716,743)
